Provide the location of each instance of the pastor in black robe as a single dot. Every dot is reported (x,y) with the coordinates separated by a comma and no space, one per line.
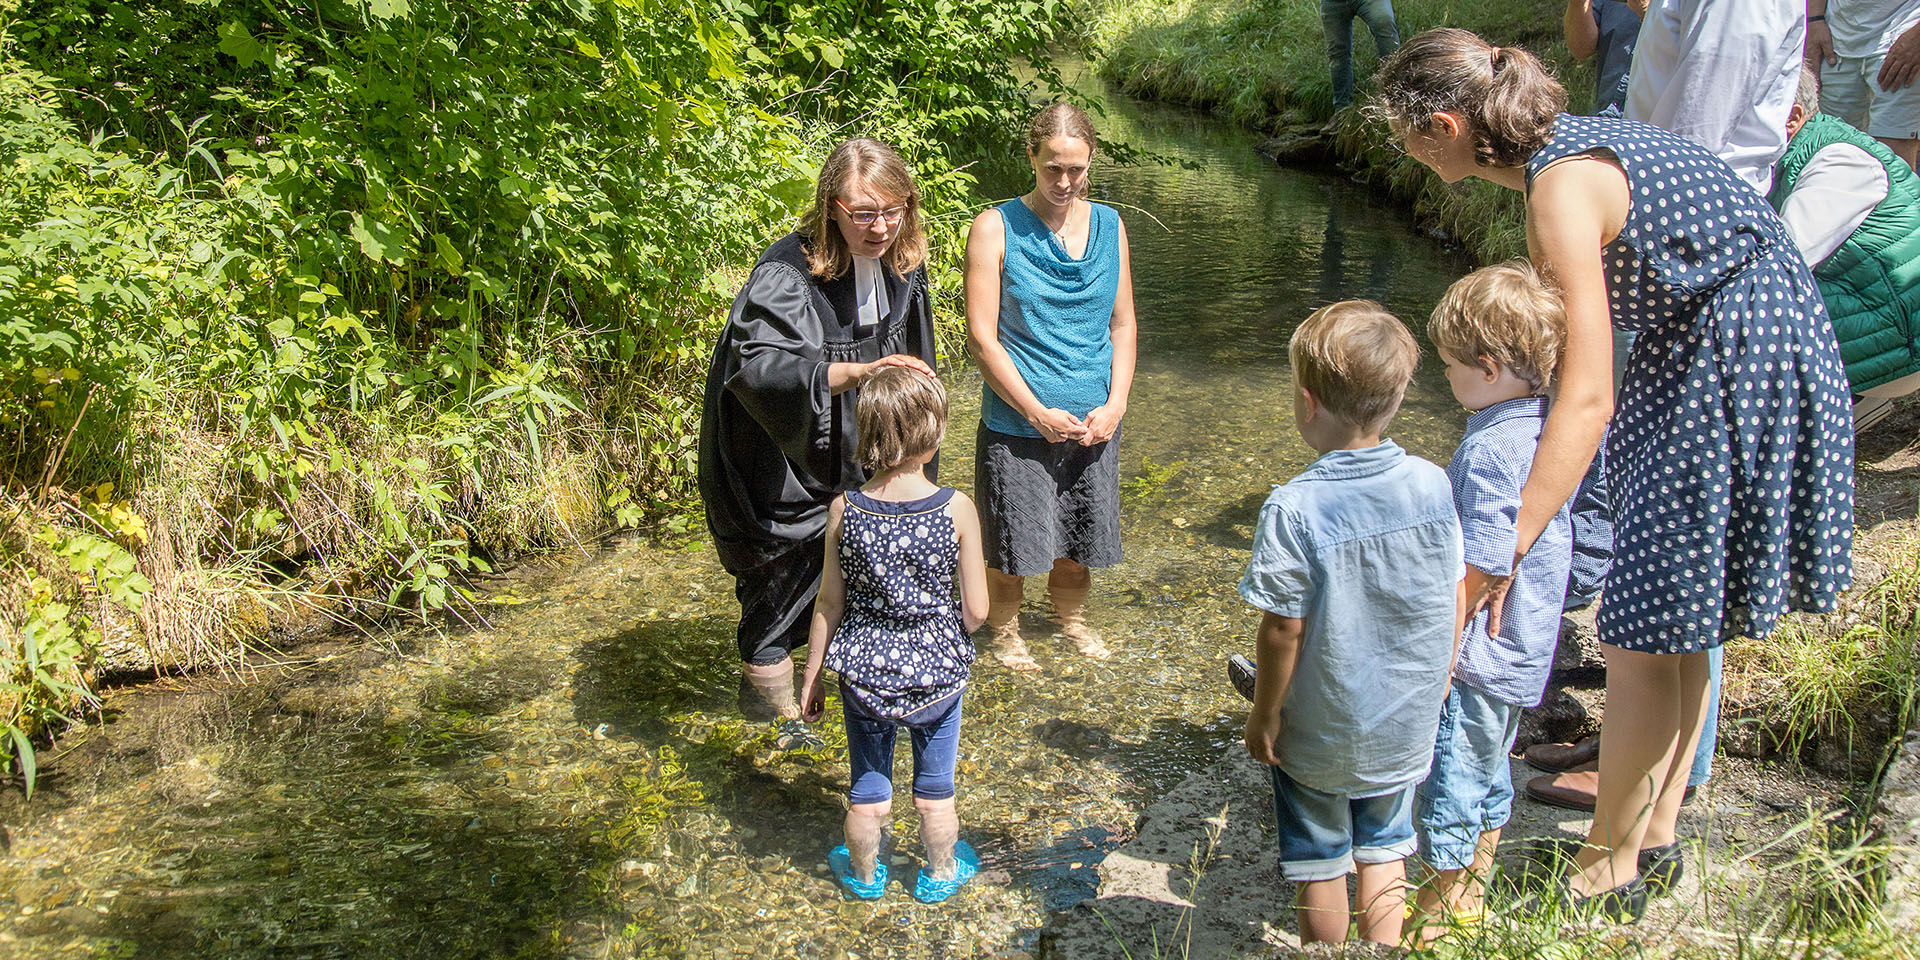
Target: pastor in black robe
(776,446)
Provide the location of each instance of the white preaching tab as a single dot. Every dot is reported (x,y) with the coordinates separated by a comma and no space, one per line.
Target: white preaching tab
(869,291)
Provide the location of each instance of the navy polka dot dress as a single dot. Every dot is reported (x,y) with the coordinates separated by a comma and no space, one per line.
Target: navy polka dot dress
(902,645)
(1731,452)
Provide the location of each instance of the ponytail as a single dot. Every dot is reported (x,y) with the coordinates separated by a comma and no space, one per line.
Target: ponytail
(1505,95)
(1517,114)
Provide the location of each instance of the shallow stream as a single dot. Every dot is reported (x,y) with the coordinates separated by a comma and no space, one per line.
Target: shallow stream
(573,779)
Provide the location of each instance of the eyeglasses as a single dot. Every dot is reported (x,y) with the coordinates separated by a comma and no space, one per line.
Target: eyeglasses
(866,218)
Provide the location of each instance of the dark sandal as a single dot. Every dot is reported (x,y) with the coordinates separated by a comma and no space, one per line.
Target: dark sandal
(1626,903)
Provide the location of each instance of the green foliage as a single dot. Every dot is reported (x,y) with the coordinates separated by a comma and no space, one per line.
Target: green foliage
(63,577)
(350,295)
(1152,480)
(1264,65)
(1849,679)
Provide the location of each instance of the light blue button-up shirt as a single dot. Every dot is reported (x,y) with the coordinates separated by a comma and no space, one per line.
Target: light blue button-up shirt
(1487,472)
(1364,547)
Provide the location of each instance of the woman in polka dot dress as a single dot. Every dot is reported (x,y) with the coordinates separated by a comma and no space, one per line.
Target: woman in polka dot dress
(889,623)
(1731,453)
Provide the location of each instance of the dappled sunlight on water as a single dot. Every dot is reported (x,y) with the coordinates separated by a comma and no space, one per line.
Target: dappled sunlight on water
(574,779)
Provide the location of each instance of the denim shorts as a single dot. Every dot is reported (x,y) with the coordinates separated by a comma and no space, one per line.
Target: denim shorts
(1322,835)
(936,748)
(1469,789)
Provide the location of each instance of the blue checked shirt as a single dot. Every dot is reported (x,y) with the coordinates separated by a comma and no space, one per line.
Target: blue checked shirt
(1364,548)
(1487,472)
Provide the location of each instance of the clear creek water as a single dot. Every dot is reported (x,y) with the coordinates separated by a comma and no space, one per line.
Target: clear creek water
(573,780)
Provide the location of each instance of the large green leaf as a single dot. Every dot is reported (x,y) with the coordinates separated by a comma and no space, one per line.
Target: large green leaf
(379,239)
(238,42)
(23,753)
(389,9)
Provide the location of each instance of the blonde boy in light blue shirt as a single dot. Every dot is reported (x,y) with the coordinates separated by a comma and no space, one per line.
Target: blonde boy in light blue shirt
(1357,569)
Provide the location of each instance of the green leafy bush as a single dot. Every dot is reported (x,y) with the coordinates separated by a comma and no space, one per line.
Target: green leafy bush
(350,297)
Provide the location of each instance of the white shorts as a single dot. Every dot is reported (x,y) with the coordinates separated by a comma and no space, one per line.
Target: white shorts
(1850,92)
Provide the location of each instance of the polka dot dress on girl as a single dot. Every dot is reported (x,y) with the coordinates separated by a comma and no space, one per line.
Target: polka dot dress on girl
(902,645)
(1731,451)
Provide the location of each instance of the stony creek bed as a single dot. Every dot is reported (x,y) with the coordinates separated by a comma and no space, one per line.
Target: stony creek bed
(573,779)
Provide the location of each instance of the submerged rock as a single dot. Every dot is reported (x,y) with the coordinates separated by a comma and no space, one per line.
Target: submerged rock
(1305,146)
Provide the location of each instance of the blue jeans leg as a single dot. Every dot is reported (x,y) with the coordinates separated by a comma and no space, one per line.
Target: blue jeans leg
(1336,21)
(936,750)
(1378,16)
(869,753)
(1710,726)
(1468,789)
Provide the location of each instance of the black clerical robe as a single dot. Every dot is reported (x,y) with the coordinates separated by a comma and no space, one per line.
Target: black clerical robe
(775,445)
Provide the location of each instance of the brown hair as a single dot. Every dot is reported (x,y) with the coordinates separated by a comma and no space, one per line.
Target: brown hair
(1506,98)
(880,168)
(1060,119)
(1505,314)
(901,413)
(1356,359)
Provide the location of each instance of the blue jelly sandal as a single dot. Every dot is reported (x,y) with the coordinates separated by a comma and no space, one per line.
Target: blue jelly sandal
(966,863)
(842,863)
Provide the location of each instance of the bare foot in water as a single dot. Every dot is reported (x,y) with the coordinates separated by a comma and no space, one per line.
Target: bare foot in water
(1015,656)
(1012,652)
(1090,644)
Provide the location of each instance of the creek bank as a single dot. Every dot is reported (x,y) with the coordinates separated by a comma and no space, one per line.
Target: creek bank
(573,780)
(1789,822)
(1198,879)
(1263,66)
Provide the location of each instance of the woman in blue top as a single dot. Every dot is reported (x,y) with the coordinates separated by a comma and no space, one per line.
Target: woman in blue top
(1050,321)
(1731,456)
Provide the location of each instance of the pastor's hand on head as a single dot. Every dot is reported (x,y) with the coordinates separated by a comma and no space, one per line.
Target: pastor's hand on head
(907,360)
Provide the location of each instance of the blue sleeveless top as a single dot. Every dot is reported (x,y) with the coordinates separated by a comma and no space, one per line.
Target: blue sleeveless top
(1055,312)
(902,645)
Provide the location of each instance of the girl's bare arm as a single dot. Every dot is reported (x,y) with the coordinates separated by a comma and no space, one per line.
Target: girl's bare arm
(828,609)
(972,574)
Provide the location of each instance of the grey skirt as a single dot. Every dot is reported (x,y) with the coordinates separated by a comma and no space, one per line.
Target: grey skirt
(1041,501)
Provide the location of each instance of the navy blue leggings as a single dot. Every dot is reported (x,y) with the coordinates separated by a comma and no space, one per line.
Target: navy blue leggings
(936,745)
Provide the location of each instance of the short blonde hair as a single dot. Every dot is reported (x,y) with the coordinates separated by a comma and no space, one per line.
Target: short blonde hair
(1506,314)
(901,413)
(880,168)
(1356,359)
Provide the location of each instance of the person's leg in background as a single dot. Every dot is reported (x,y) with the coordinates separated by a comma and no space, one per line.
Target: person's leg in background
(1378,16)
(1710,727)
(1336,21)
(1894,118)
